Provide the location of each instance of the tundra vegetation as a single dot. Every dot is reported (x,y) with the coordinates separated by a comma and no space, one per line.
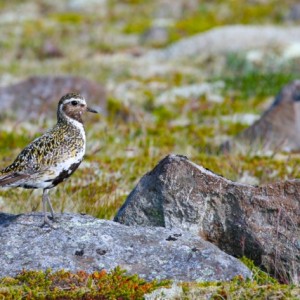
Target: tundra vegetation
(146,118)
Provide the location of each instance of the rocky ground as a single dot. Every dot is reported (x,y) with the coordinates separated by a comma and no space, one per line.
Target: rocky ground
(259,222)
(171,77)
(85,243)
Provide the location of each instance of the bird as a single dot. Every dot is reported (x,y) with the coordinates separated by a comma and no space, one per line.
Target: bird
(54,156)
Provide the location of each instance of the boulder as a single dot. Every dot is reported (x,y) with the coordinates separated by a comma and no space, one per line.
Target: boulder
(276,130)
(229,39)
(39,95)
(82,242)
(260,222)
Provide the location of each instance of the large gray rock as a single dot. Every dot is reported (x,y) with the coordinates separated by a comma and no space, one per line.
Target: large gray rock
(82,242)
(276,130)
(231,38)
(261,222)
(39,95)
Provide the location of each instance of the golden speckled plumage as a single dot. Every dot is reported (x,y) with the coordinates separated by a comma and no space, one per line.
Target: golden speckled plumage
(53,157)
(52,148)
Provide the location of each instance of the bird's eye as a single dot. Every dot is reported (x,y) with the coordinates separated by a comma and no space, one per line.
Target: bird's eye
(74,103)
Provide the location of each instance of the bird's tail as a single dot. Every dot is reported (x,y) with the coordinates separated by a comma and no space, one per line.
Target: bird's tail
(11,178)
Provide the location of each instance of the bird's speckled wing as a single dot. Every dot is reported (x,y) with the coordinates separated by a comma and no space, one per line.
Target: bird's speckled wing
(46,156)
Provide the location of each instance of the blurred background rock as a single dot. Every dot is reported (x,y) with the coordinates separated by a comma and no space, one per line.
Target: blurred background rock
(171,76)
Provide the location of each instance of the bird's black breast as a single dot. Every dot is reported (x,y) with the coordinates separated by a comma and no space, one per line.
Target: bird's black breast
(64,174)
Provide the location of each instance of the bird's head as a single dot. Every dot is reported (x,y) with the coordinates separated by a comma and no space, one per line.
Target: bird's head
(72,106)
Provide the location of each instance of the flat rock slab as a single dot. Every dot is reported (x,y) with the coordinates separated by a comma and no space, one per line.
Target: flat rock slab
(261,222)
(276,130)
(39,95)
(227,39)
(82,242)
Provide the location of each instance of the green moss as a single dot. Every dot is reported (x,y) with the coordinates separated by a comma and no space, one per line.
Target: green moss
(116,284)
(139,21)
(262,286)
(137,26)
(197,23)
(247,85)
(217,13)
(259,276)
(256,80)
(134,2)
(11,143)
(81,285)
(248,12)
(117,109)
(70,18)
(234,128)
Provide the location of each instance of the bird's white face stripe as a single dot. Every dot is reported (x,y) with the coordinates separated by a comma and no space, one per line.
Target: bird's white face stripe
(81,101)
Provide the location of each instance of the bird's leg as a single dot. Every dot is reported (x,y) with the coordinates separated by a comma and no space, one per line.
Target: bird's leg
(46,200)
(50,206)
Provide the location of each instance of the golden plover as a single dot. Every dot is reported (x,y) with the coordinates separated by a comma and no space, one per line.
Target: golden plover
(54,156)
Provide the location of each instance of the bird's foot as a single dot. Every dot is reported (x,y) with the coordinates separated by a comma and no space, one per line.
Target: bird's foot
(48,223)
(53,219)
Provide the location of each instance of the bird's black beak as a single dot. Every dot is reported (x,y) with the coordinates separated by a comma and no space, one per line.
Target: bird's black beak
(91,110)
